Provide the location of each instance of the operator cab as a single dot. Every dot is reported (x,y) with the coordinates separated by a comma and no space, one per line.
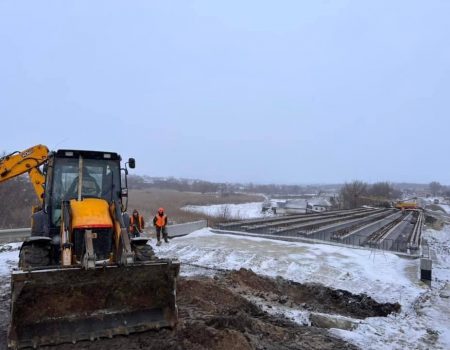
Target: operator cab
(97,172)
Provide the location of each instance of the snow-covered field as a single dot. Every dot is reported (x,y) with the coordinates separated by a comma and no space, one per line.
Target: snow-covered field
(424,322)
(229,211)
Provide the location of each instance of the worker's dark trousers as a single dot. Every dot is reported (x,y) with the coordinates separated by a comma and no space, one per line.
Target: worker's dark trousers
(158,233)
(135,234)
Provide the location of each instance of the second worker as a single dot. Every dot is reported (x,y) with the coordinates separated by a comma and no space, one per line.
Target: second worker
(160,222)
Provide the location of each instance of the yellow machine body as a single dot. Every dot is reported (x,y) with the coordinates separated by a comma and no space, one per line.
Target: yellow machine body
(90,213)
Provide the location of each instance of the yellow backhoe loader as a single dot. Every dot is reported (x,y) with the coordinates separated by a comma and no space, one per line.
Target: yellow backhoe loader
(80,276)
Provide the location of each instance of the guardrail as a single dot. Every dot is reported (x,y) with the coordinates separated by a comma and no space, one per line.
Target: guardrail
(14,235)
(19,234)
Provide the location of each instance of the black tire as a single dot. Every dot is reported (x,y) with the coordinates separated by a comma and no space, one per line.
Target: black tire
(34,255)
(143,252)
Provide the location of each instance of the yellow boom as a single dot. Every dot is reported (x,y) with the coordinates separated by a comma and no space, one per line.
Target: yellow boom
(28,161)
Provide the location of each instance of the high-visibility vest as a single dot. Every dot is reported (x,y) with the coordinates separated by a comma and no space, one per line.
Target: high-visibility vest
(160,220)
(140,223)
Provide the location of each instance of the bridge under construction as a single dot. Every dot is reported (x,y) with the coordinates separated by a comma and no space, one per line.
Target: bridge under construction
(386,229)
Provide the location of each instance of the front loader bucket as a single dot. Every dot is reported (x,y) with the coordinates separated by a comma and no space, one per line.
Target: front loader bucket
(62,305)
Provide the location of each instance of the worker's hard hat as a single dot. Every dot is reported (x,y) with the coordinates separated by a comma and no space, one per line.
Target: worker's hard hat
(161,210)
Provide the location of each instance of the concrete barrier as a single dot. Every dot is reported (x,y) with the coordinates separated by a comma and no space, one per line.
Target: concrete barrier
(19,234)
(186,228)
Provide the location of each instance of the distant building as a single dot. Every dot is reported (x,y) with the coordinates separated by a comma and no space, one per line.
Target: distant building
(319,205)
(275,205)
(313,205)
(296,206)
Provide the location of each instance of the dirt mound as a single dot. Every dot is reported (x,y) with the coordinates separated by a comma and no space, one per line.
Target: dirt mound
(309,296)
(214,316)
(221,313)
(209,295)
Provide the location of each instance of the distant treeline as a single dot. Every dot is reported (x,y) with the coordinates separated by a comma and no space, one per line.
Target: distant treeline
(17,195)
(188,185)
(358,193)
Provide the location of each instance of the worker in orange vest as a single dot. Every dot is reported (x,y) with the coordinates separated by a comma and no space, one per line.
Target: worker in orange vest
(160,222)
(136,224)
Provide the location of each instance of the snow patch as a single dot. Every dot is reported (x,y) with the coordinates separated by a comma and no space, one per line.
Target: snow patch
(229,211)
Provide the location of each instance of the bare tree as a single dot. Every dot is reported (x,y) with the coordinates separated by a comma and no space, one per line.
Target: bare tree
(382,190)
(352,194)
(435,187)
(225,214)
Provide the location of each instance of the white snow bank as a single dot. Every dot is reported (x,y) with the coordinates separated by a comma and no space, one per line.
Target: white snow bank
(229,211)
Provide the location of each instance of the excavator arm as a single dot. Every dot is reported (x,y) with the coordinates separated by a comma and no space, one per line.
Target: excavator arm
(28,161)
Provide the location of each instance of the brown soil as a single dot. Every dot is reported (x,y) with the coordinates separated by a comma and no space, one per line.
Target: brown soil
(148,201)
(310,296)
(215,317)
(216,313)
(15,206)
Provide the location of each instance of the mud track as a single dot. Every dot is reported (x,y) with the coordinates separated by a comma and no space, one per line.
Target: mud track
(224,312)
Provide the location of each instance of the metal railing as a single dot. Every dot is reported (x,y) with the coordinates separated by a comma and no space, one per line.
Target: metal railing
(355,240)
(14,235)
(20,234)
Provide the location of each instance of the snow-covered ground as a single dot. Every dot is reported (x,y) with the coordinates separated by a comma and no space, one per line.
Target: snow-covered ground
(442,203)
(9,257)
(424,322)
(446,207)
(229,211)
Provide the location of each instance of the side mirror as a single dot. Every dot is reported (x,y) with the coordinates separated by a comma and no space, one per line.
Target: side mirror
(131,163)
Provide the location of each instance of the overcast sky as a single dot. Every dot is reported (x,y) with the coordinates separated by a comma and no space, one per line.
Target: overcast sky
(249,91)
